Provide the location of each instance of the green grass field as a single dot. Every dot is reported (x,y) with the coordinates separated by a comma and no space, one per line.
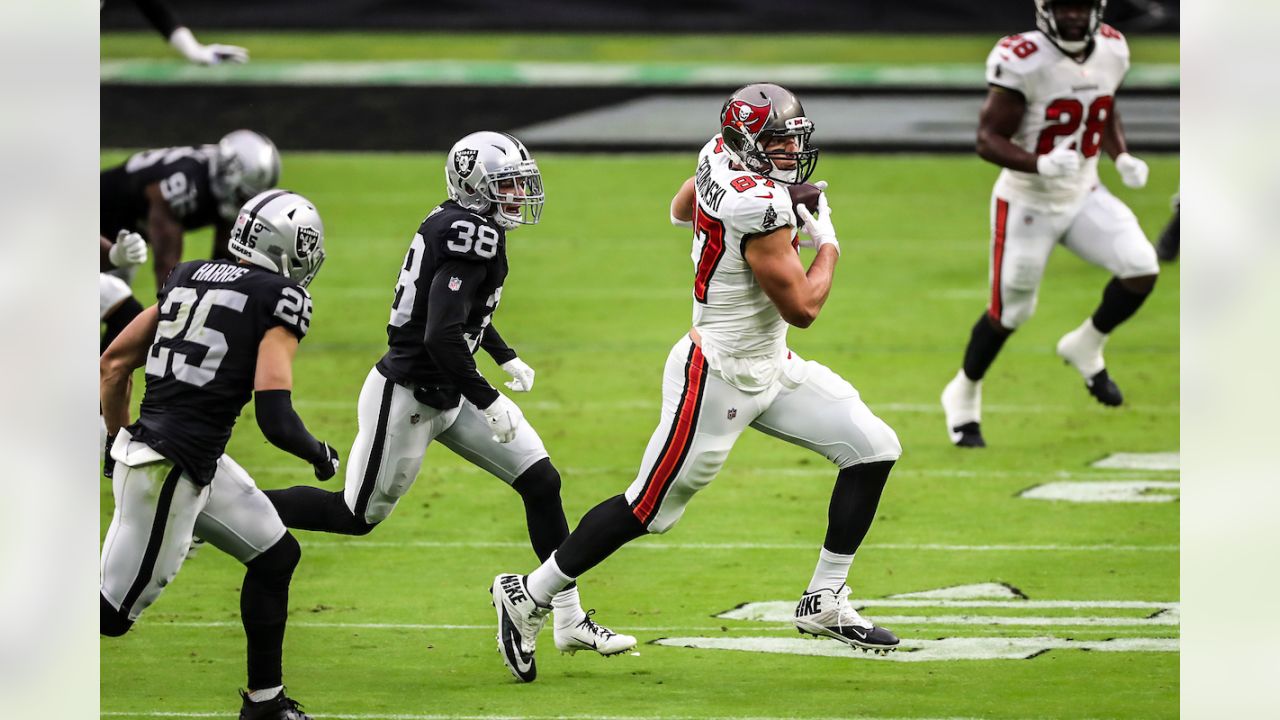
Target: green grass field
(398,624)
(621,47)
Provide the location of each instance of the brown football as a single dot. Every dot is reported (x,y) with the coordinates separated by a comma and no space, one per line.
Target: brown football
(804,194)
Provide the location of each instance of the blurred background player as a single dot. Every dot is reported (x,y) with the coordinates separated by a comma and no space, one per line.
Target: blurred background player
(162,193)
(733,371)
(1050,110)
(1168,245)
(221,331)
(427,387)
(163,19)
(116,304)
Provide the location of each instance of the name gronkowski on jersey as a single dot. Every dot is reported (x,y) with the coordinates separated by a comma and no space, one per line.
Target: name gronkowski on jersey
(1067,101)
(731,312)
(450,284)
(185,180)
(200,368)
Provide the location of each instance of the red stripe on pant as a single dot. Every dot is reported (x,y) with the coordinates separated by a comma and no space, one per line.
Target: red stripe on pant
(678,441)
(1002,220)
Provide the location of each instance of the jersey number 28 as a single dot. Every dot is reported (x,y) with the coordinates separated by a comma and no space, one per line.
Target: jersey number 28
(1064,116)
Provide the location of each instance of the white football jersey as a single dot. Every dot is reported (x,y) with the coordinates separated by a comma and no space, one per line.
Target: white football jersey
(743,335)
(1067,101)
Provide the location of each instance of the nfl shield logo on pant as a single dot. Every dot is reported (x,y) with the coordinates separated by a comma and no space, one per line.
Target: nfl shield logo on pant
(733,413)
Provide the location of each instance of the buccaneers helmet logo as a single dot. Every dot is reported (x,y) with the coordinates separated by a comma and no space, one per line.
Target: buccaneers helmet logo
(745,116)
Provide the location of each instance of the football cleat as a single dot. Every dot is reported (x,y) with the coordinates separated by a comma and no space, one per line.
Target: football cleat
(827,613)
(587,635)
(519,621)
(1082,349)
(280,707)
(1102,387)
(962,405)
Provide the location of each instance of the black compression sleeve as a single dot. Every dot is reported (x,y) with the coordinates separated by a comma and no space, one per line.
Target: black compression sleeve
(497,348)
(447,312)
(160,16)
(283,428)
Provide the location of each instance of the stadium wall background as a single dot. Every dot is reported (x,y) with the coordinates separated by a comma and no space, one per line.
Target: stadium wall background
(693,16)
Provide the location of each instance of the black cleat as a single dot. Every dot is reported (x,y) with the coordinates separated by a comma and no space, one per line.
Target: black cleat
(1167,245)
(1102,387)
(968,435)
(280,707)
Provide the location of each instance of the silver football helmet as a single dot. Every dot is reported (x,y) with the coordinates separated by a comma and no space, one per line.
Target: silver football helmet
(492,173)
(246,164)
(1047,22)
(281,231)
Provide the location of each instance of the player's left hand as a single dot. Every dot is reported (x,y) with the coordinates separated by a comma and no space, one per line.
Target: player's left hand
(328,467)
(1133,172)
(185,42)
(108,463)
(130,249)
(521,375)
(820,228)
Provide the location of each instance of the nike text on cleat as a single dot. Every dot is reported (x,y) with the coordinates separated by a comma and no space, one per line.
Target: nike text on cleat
(519,621)
(1102,387)
(962,407)
(827,613)
(587,635)
(280,707)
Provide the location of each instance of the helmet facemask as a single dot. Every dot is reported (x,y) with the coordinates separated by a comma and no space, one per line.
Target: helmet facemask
(515,194)
(1047,22)
(803,160)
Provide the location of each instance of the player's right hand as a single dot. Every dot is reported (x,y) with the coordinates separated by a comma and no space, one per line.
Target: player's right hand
(130,249)
(1063,160)
(504,419)
(109,463)
(328,467)
(820,229)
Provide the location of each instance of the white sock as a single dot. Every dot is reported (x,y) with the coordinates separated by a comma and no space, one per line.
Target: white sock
(831,572)
(264,695)
(567,607)
(546,581)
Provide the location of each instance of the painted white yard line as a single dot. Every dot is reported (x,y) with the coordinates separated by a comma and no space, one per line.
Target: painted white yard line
(657,545)
(1163,461)
(442,716)
(946,649)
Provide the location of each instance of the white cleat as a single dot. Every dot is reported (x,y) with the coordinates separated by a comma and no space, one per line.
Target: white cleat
(962,405)
(520,619)
(587,635)
(827,613)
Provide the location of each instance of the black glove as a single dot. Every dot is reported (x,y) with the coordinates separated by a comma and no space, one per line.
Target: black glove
(328,467)
(109,465)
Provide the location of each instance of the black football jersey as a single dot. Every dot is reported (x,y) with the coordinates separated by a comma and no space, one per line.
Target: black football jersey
(185,183)
(449,286)
(201,365)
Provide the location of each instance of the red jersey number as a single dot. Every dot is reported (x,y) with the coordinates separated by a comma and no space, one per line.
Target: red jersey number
(711,232)
(1020,46)
(1065,116)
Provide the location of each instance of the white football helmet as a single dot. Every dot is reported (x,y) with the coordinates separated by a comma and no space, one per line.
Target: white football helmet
(1047,22)
(281,231)
(493,173)
(247,163)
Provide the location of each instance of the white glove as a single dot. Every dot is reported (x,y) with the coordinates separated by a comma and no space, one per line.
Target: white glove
(1133,172)
(521,375)
(504,419)
(1061,161)
(820,229)
(186,43)
(130,249)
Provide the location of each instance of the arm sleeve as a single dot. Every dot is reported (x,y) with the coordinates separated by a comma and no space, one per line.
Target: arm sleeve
(159,15)
(497,348)
(448,306)
(283,428)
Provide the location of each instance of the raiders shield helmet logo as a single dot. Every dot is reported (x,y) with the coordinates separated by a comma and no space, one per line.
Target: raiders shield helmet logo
(308,239)
(464,161)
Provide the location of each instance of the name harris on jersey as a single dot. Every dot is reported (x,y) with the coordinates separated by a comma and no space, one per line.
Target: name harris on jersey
(709,191)
(219,273)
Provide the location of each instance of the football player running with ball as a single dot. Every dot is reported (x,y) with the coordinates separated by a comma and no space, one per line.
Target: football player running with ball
(733,371)
(221,331)
(1050,111)
(427,387)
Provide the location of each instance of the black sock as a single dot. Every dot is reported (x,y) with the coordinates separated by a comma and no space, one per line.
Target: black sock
(984,344)
(539,487)
(264,608)
(309,508)
(118,320)
(605,528)
(853,505)
(1119,303)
